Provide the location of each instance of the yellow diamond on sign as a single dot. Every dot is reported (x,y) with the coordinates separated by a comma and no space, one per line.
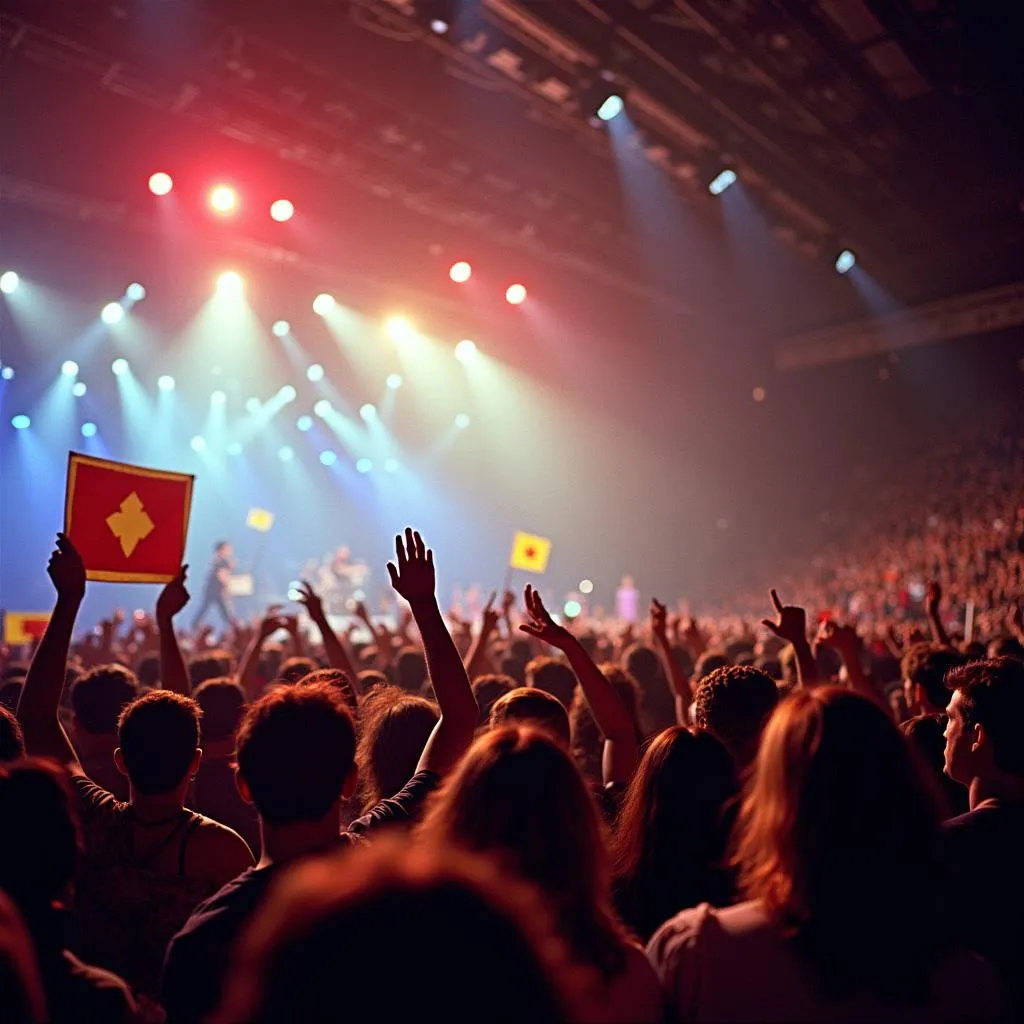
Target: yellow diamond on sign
(260,520)
(131,525)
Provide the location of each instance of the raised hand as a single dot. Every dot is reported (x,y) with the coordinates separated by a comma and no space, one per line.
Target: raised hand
(840,638)
(539,623)
(271,622)
(508,602)
(413,577)
(659,621)
(173,597)
(932,597)
(66,570)
(792,624)
(490,617)
(310,600)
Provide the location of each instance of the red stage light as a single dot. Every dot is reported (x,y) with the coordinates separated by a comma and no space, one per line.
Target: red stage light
(460,272)
(223,199)
(160,183)
(282,210)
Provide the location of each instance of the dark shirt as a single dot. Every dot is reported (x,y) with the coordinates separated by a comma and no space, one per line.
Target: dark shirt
(215,794)
(214,585)
(986,848)
(198,956)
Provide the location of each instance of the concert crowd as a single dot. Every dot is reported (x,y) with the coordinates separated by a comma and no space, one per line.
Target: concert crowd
(802,804)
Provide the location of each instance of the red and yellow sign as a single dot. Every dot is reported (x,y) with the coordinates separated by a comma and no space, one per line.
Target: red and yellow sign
(24,627)
(529,552)
(128,523)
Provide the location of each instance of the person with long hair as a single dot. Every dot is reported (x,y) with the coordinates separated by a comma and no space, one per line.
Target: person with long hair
(838,817)
(518,797)
(670,846)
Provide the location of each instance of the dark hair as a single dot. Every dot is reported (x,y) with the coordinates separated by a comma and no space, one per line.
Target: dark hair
(733,704)
(209,665)
(554,677)
(220,544)
(147,671)
(334,677)
(487,689)
(41,844)
(992,696)
(393,729)
(1005,647)
(410,670)
(926,665)
(99,697)
(370,678)
(222,701)
(708,662)
(587,739)
(644,665)
(10,693)
(925,735)
(296,746)
(530,706)
(12,741)
(837,816)
(484,942)
(294,669)
(158,734)
(670,847)
(518,796)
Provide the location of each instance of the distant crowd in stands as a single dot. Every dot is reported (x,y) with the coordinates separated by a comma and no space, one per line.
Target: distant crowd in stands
(814,816)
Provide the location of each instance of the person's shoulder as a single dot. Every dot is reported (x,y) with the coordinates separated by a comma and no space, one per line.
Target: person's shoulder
(92,800)
(216,852)
(700,924)
(235,896)
(95,991)
(963,973)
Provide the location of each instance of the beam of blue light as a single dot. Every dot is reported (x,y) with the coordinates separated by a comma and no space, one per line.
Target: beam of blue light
(721,181)
(611,108)
(845,261)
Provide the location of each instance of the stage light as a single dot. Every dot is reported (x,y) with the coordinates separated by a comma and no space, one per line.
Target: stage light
(280,328)
(328,458)
(9,281)
(571,609)
(135,292)
(69,368)
(165,383)
(586,586)
(79,389)
(399,329)
(112,313)
(223,199)
(315,373)
(600,99)
(88,430)
(287,393)
(21,422)
(845,261)
(759,394)
(364,465)
(7,372)
(368,411)
(391,466)
(515,294)
(322,408)
(198,443)
(721,181)
(282,210)
(286,454)
(304,423)
(610,108)
(460,272)
(253,405)
(323,304)
(465,350)
(230,283)
(394,381)
(119,367)
(235,448)
(160,183)
(218,398)
(462,421)
(439,26)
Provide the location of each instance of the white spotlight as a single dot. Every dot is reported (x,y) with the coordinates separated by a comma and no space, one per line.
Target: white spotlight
(288,393)
(218,398)
(721,181)
(69,368)
(112,313)
(315,373)
(119,367)
(323,304)
(79,389)
(135,292)
(165,383)
(230,283)
(280,328)
(394,381)
(9,282)
(368,411)
(845,261)
(465,350)
(198,443)
(462,421)
(322,408)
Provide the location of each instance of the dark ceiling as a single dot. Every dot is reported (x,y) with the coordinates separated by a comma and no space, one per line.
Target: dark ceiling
(894,127)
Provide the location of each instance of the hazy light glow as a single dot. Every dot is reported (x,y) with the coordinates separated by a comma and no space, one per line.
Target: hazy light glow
(253,405)
(439,26)
(571,609)
(759,394)
(515,294)
(119,367)
(465,350)
(282,210)
(88,430)
(286,453)
(160,183)
(721,181)
(280,328)
(399,328)
(135,291)
(7,373)
(9,281)
(79,389)
(21,422)
(391,466)
(112,313)
(198,443)
(368,411)
(218,398)
(364,465)
(304,423)
(328,458)
(322,408)
(165,382)
(394,381)
(287,393)
(223,199)
(315,373)
(460,272)
(462,420)
(323,304)
(611,107)
(235,448)
(586,586)
(230,283)
(845,261)
(69,368)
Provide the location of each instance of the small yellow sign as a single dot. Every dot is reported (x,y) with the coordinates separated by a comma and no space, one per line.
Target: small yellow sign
(260,520)
(530,553)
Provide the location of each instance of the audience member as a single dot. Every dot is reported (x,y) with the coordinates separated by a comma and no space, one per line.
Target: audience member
(733,704)
(97,700)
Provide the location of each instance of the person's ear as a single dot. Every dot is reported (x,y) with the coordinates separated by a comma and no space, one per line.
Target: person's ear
(243,787)
(119,762)
(348,788)
(980,741)
(197,758)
